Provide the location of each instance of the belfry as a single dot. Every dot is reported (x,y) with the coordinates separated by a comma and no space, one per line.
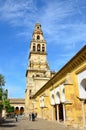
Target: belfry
(38,71)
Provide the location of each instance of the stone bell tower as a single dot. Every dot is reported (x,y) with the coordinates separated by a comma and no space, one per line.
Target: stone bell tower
(38,71)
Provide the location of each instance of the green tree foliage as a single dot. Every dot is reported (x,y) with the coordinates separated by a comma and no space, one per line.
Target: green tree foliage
(2,80)
(4,102)
(2,83)
(1,106)
(7,106)
(10,109)
(1,93)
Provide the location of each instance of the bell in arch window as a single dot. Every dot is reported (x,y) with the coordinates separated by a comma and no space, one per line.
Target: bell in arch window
(43,48)
(34,47)
(38,47)
(38,37)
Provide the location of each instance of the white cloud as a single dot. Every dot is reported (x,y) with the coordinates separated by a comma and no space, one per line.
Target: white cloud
(57,18)
(17,12)
(60,24)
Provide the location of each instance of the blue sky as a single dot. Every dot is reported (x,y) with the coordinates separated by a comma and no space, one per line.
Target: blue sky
(64,27)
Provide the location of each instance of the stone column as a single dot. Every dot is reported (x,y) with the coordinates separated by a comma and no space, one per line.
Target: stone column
(42,112)
(53,116)
(64,113)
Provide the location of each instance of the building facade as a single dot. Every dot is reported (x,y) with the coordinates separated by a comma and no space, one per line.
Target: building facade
(62,97)
(18,104)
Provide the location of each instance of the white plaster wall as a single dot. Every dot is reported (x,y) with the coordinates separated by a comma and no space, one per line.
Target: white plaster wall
(57,95)
(18,107)
(42,101)
(82,92)
(63,93)
(52,97)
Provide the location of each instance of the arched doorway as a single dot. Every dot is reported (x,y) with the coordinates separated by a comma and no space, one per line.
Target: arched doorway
(55,106)
(21,110)
(57,100)
(17,111)
(61,112)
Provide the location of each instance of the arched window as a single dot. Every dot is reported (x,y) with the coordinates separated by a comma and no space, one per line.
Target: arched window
(34,47)
(43,48)
(37,75)
(38,47)
(38,37)
(52,99)
(53,96)
(58,95)
(30,91)
(17,111)
(83,84)
(63,92)
(17,108)
(37,27)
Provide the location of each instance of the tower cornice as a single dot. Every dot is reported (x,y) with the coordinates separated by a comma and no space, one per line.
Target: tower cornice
(41,53)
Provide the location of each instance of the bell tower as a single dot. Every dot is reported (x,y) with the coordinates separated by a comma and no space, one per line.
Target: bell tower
(37,56)
(38,71)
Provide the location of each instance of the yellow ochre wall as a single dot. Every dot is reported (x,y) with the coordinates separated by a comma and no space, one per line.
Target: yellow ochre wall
(72,104)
